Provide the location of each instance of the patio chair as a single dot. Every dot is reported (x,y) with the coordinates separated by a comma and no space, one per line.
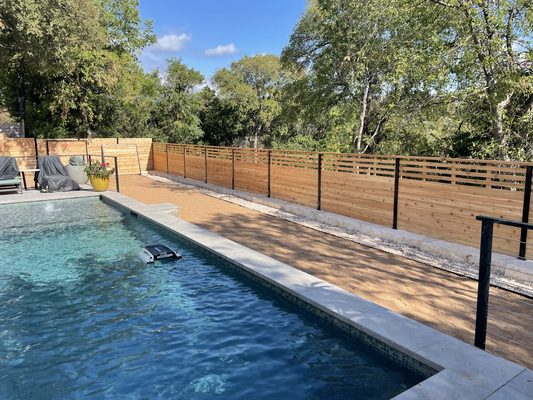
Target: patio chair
(53,176)
(9,175)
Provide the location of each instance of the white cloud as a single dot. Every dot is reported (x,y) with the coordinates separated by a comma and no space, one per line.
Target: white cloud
(170,43)
(221,50)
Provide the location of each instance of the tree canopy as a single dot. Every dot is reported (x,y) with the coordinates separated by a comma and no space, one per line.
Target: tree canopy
(433,77)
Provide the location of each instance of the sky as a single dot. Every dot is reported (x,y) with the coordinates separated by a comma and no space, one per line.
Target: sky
(210,34)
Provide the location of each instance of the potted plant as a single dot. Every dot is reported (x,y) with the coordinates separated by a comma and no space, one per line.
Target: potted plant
(99,173)
(76,169)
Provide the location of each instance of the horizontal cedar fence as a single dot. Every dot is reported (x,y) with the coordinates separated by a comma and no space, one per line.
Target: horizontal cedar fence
(134,155)
(435,197)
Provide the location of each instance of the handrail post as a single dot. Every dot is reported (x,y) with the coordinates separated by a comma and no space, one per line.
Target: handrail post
(525,212)
(485,258)
(205,164)
(396,190)
(166,153)
(232,169)
(116,174)
(319,182)
(268,172)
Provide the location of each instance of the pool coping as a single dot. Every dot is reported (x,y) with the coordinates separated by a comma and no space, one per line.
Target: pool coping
(464,371)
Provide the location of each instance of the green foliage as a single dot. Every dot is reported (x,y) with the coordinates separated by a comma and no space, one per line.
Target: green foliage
(76,161)
(60,59)
(99,170)
(433,77)
(251,89)
(178,106)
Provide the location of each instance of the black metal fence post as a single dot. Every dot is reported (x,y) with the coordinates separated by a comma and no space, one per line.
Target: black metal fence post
(396,190)
(485,258)
(36,150)
(205,164)
(47,148)
(525,212)
(232,169)
(166,153)
(319,182)
(268,172)
(184,161)
(116,174)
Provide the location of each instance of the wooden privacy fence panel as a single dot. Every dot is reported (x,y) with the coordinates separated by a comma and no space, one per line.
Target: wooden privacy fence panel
(358,186)
(175,160)
(219,166)
(251,170)
(294,177)
(195,160)
(436,197)
(21,148)
(131,152)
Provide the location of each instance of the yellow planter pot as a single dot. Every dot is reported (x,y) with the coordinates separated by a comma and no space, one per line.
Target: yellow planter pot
(99,184)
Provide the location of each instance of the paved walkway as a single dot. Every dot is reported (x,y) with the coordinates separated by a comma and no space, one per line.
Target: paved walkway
(437,298)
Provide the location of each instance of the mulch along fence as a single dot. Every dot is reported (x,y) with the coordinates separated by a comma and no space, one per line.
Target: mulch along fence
(436,197)
(134,155)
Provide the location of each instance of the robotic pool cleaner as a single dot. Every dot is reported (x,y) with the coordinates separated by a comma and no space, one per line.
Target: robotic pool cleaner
(152,253)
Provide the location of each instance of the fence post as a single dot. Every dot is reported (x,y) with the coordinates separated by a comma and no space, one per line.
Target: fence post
(319,182)
(396,189)
(184,161)
(47,148)
(166,153)
(268,172)
(86,149)
(116,174)
(36,150)
(483,286)
(205,164)
(152,154)
(525,212)
(102,152)
(232,169)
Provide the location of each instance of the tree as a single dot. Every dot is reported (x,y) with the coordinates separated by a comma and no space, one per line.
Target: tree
(437,71)
(178,108)
(59,56)
(493,61)
(251,87)
(368,57)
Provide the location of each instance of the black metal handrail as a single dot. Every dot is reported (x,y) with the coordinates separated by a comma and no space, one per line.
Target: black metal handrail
(485,260)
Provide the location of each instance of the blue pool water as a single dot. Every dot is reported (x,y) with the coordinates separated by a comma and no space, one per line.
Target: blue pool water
(81,317)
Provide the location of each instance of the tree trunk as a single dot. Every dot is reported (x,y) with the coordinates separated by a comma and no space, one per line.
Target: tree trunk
(22,108)
(497,109)
(256,139)
(86,123)
(364,108)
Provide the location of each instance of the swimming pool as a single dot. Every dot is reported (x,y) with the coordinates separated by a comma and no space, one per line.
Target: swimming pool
(82,317)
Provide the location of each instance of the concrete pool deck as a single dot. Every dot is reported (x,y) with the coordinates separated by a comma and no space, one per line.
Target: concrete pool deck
(465,372)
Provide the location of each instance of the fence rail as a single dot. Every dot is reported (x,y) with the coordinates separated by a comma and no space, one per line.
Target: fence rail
(134,154)
(436,197)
